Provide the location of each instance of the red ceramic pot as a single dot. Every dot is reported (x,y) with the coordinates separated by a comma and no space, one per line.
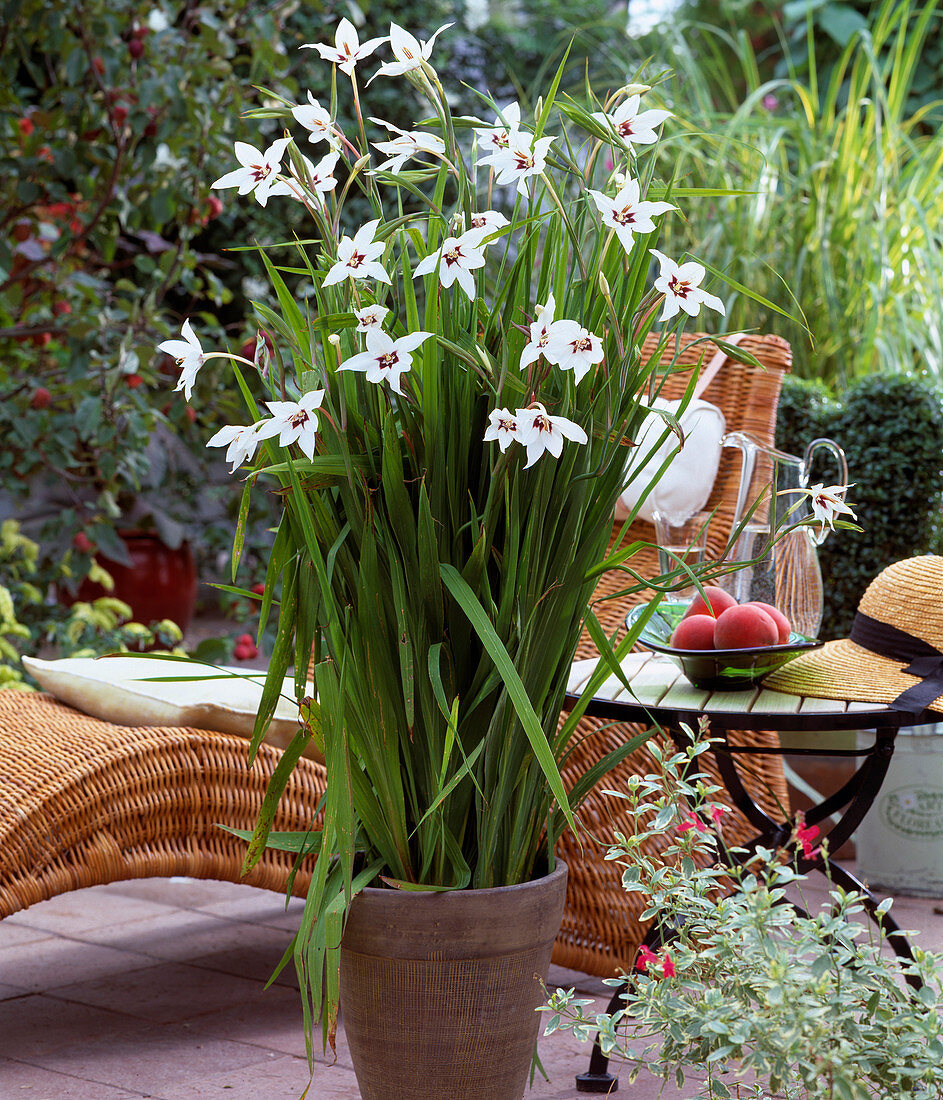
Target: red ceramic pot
(160,584)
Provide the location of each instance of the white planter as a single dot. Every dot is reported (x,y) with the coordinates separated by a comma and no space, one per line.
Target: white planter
(900,842)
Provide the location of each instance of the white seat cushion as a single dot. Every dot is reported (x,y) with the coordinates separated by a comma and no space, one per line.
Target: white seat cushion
(120,690)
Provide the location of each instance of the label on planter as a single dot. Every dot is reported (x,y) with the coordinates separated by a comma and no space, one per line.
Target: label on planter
(916,812)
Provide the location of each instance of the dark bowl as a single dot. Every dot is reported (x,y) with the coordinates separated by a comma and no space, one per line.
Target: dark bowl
(715,669)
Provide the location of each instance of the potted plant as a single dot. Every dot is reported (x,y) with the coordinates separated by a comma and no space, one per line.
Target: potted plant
(454,390)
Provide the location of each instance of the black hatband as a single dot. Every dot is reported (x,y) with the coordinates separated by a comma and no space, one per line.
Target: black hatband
(925,661)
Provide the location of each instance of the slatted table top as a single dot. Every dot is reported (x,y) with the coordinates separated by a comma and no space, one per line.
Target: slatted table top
(661,691)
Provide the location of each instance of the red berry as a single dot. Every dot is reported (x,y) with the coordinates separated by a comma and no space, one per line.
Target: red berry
(60,307)
(215,206)
(42,398)
(134,380)
(191,414)
(41,339)
(21,231)
(241,653)
(98,65)
(26,126)
(140,32)
(83,543)
(120,115)
(150,130)
(258,589)
(245,639)
(136,48)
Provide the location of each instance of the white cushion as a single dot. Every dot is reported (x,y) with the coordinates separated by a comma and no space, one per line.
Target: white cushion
(117,690)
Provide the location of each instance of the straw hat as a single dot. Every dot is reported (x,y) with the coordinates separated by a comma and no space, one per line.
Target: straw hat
(895,652)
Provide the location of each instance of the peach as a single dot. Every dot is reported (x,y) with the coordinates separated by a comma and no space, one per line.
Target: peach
(717,601)
(744,627)
(782,623)
(694,632)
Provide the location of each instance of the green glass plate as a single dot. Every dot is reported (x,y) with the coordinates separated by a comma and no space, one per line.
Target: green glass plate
(715,669)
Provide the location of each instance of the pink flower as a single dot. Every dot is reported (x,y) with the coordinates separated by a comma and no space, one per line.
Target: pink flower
(692,821)
(644,957)
(805,834)
(717,813)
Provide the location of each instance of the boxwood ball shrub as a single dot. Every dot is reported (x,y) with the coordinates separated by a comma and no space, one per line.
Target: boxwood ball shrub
(891,428)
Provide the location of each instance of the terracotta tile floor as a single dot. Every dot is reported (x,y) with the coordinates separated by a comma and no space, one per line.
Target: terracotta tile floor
(154,988)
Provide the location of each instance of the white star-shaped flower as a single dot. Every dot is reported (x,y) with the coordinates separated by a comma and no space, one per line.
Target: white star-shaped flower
(317,178)
(539,432)
(358,257)
(540,329)
(633,126)
(370,317)
(241,442)
(680,285)
(489,219)
(189,356)
(828,503)
(573,347)
(407,143)
(523,157)
(503,428)
(456,260)
(628,213)
(317,120)
(347,49)
(259,171)
(293,421)
(386,359)
(493,138)
(409,52)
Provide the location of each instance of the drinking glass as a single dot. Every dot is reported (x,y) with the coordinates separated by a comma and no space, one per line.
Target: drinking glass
(684,539)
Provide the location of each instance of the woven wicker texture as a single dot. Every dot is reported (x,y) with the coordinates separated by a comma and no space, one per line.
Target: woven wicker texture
(85,802)
(600,930)
(907,595)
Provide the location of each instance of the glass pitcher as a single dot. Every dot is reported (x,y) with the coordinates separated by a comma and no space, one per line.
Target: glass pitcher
(787,575)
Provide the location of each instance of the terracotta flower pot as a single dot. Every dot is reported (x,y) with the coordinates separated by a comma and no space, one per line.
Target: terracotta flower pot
(438,991)
(160,584)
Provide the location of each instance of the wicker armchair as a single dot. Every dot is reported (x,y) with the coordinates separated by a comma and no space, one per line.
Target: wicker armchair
(601,930)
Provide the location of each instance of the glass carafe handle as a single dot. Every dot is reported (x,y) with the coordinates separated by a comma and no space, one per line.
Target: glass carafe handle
(819,535)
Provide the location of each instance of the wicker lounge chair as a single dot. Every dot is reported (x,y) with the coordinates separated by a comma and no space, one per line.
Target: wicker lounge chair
(84,802)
